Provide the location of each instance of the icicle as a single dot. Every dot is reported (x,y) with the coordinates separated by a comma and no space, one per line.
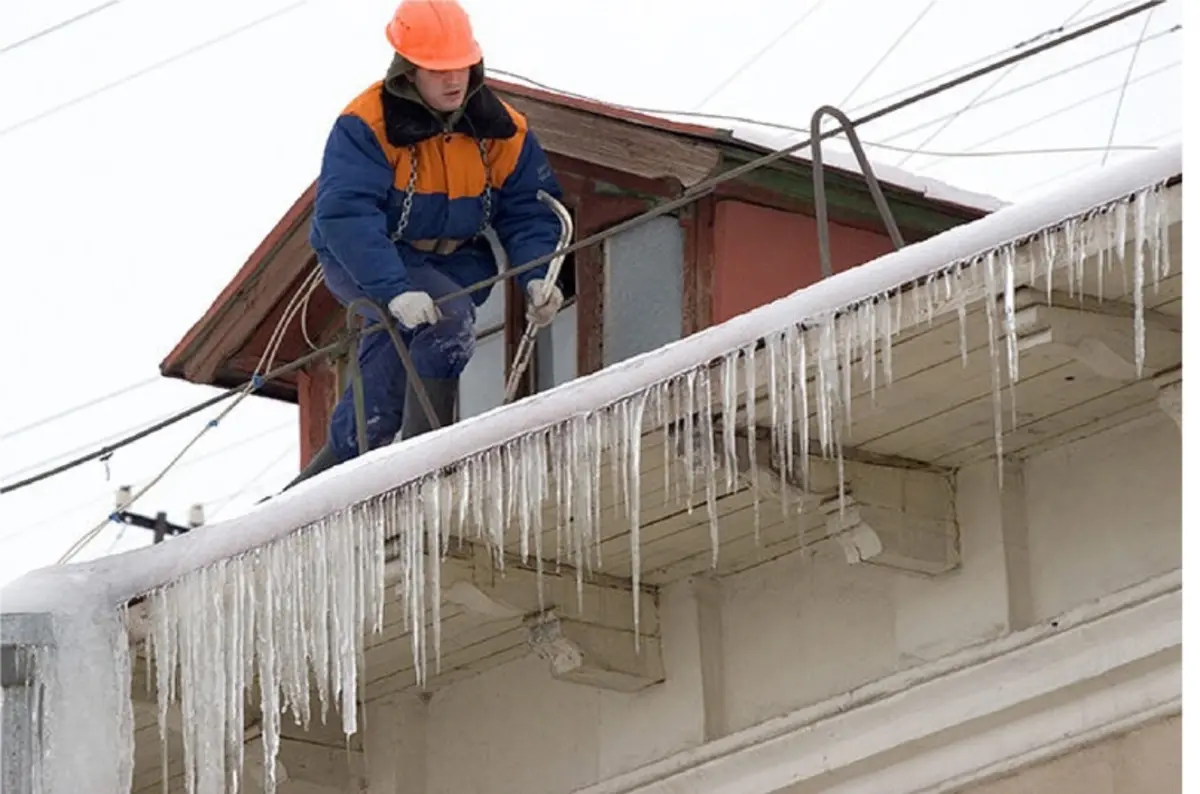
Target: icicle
(291,616)
(802,396)
(670,439)
(689,437)
(790,378)
(1008,263)
(889,330)
(729,401)
(1139,283)
(989,304)
(634,433)
(751,378)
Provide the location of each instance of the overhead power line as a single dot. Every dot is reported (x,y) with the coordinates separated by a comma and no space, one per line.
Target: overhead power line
(753,59)
(940,76)
(1028,123)
(59,26)
(888,52)
(77,408)
(978,103)
(1032,187)
(152,67)
(791,128)
(987,89)
(1112,132)
(695,192)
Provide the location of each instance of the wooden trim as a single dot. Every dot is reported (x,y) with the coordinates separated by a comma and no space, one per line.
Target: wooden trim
(245,300)
(698,264)
(590,216)
(616,143)
(316,387)
(1095,672)
(514,327)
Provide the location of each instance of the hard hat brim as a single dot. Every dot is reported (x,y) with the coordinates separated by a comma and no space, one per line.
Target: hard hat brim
(464,61)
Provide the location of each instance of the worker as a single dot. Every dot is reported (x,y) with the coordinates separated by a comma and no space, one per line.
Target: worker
(415,169)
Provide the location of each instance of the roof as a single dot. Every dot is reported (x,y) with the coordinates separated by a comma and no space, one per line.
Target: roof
(836,157)
(685,164)
(388,468)
(320,547)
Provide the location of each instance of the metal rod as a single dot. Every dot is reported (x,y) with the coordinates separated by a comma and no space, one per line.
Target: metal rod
(529,338)
(410,367)
(820,202)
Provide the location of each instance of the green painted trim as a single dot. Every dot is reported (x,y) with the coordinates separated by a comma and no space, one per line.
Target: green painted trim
(848,197)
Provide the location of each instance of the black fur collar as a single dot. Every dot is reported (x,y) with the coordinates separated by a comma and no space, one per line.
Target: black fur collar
(408,122)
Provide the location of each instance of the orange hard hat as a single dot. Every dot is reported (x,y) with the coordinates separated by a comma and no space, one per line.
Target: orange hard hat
(434,34)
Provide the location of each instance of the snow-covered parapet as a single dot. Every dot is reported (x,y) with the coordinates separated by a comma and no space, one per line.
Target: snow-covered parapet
(290,588)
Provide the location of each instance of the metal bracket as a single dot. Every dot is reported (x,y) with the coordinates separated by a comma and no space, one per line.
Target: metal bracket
(819,200)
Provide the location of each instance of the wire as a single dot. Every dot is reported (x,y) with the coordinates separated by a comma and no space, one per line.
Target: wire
(1034,186)
(103,440)
(738,72)
(106,494)
(266,360)
(76,409)
(1024,125)
(1025,86)
(1112,132)
(987,89)
(887,54)
(791,128)
(695,192)
(152,67)
(986,58)
(228,499)
(47,31)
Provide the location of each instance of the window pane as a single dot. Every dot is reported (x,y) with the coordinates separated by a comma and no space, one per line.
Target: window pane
(491,313)
(643,278)
(556,350)
(481,386)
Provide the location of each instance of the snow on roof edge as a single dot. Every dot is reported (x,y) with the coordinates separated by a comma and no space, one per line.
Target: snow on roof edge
(127,575)
(839,158)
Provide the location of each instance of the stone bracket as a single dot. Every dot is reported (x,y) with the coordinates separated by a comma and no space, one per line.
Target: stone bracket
(1101,340)
(473,581)
(896,514)
(596,656)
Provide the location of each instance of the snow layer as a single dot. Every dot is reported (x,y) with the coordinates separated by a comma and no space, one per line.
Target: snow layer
(834,154)
(288,590)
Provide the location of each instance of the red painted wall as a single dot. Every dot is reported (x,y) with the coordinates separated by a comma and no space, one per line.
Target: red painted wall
(761,254)
(316,387)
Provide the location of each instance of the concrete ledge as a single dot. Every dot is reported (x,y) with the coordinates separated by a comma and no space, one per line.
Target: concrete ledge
(1097,671)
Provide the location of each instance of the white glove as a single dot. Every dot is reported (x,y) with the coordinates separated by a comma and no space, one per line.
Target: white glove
(414,308)
(544,302)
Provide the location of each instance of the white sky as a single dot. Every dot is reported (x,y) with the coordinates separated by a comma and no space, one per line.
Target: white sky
(126,213)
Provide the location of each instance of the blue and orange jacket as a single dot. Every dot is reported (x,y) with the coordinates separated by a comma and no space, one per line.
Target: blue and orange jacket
(365,173)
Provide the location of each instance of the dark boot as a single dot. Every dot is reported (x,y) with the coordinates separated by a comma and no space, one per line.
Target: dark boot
(444,396)
(324,459)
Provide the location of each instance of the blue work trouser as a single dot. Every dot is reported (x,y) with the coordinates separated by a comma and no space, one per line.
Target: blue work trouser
(438,351)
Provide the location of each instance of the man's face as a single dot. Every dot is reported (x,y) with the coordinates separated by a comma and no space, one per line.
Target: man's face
(442,91)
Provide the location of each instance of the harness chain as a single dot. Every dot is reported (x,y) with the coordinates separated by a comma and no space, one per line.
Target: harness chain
(411,188)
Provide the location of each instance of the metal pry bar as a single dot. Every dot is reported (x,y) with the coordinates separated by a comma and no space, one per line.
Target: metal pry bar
(525,348)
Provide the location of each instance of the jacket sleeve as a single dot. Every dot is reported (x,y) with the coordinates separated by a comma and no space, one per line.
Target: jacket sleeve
(351,209)
(527,228)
